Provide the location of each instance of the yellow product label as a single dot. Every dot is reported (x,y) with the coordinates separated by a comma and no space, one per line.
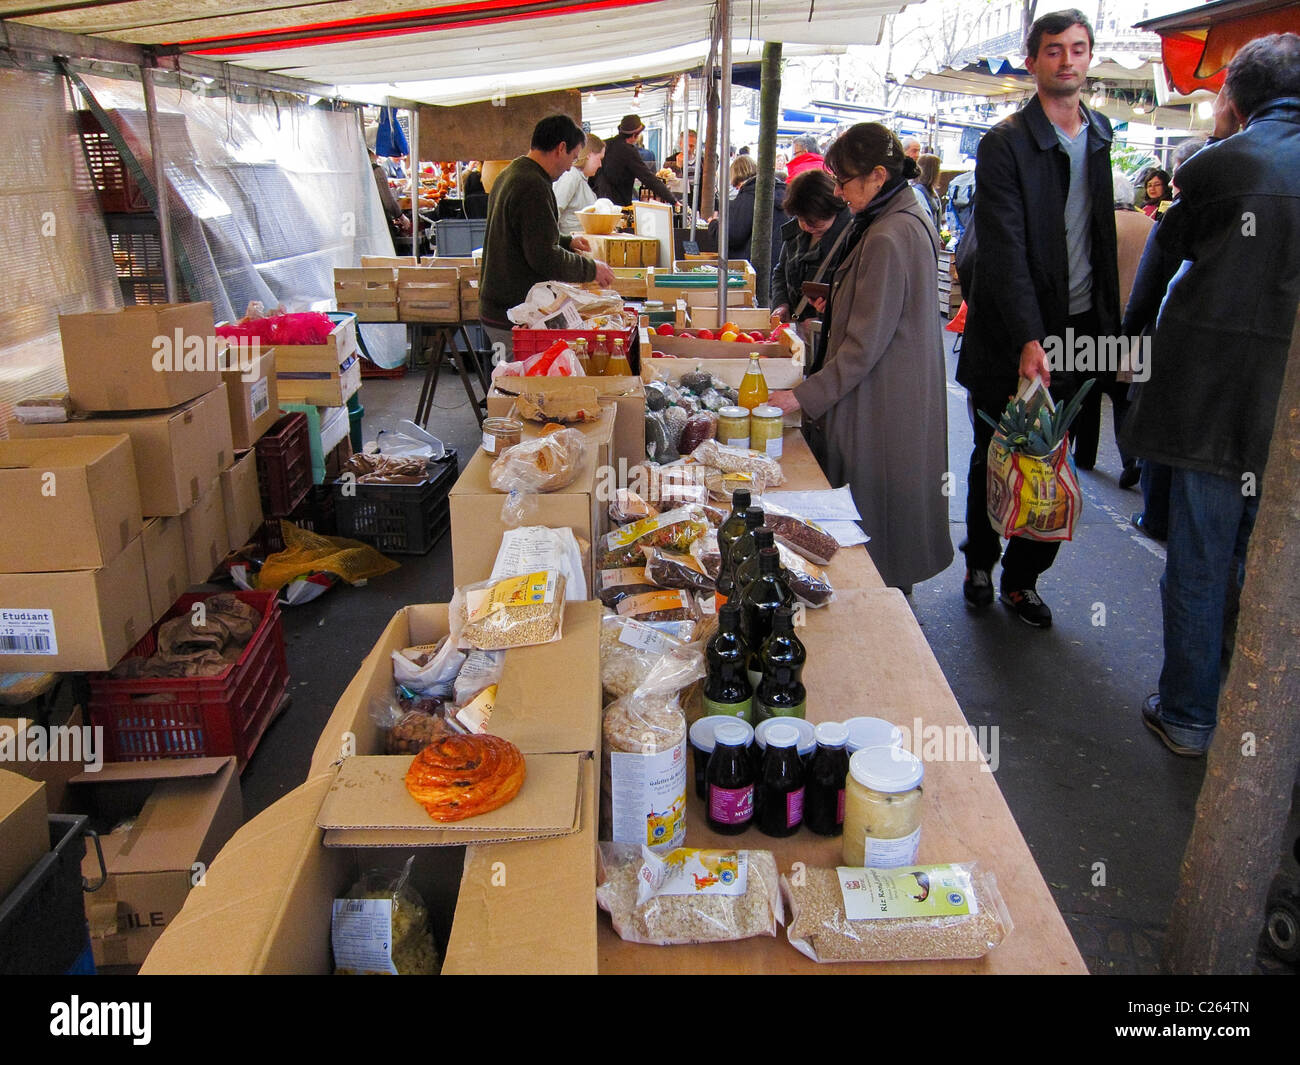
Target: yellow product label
(651,602)
(623,537)
(527,590)
(474,715)
(618,578)
(909,891)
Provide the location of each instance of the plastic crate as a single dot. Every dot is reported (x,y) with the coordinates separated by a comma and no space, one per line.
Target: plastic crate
(316,513)
(148,718)
(284,470)
(43,921)
(398,519)
(457,238)
(371,372)
(530,341)
(118,193)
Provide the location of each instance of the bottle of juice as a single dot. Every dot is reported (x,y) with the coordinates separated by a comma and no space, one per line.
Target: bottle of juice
(730,779)
(618,366)
(583,356)
(780,790)
(753,387)
(599,356)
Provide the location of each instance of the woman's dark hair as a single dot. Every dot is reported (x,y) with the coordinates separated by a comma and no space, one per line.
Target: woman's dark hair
(1055,22)
(811,195)
(1163,175)
(1265,69)
(866,146)
(554,129)
(929,165)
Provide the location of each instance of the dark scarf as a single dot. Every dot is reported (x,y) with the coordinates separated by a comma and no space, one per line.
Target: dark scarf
(861,222)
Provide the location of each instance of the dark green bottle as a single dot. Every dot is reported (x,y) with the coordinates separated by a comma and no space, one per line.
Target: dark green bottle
(765,594)
(780,690)
(749,569)
(741,549)
(727,689)
(733,527)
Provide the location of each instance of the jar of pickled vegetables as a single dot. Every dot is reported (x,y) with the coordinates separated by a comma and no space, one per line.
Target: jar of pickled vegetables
(733,426)
(766,424)
(882,808)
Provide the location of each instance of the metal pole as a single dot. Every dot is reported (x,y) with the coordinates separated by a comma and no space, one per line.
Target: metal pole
(160,184)
(701,142)
(414,160)
(724,158)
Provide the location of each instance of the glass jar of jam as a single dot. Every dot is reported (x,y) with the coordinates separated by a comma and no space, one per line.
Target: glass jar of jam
(882,808)
(731,780)
(733,426)
(766,426)
(501,433)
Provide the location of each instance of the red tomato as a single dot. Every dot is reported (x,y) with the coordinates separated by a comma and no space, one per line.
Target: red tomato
(665,330)
(705,334)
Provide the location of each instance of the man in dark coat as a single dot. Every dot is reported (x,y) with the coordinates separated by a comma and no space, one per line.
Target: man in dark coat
(623,166)
(1046,264)
(1218,357)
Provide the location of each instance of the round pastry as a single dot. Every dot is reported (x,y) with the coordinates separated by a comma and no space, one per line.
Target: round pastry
(462,776)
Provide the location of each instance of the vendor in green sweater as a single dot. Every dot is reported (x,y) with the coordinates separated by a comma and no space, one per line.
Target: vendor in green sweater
(523,246)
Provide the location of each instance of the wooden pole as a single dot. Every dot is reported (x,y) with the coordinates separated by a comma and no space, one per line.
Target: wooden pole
(1246,796)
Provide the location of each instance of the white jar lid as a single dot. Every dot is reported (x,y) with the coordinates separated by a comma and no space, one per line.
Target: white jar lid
(782,735)
(733,412)
(832,734)
(733,733)
(703,731)
(872,732)
(887,769)
(766,410)
(806,729)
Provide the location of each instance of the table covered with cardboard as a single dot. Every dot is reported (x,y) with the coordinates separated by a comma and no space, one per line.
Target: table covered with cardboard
(528,905)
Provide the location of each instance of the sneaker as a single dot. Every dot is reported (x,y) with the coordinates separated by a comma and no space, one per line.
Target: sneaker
(1029,608)
(1151,718)
(978,588)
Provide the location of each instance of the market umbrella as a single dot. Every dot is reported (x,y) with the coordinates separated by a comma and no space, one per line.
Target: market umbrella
(1197,45)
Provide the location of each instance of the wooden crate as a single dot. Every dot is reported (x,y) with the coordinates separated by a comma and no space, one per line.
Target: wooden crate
(469,279)
(622,250)
(370,293)
(429,294)
(390,261)
(748,318)
(630,282)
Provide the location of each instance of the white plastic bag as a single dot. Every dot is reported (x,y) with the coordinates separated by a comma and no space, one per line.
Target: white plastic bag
(536,547)
(409,440)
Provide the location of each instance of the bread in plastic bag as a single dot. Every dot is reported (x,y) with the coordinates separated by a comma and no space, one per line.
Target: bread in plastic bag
(689,895)
(952,911)
(517,611)
(382,927)
(629,650)
(677,529)
(739,460)
(542,464)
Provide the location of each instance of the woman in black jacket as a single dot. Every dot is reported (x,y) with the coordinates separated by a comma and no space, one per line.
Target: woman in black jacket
(740,213)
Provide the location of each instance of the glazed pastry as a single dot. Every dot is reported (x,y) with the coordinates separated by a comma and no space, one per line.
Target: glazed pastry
(462,776)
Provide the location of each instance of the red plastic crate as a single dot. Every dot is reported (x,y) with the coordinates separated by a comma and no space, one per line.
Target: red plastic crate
(530,341)
(370,371)
(148,718)
(284,473)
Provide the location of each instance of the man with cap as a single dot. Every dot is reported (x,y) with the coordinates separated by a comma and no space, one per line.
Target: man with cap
(624,166)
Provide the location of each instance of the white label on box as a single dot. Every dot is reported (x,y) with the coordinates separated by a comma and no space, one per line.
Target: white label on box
(649,796)
(259,398)
(644,638)
(687,871)
(362,935)
(27,632)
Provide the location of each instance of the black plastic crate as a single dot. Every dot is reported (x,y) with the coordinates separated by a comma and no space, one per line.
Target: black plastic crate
(43,921)
(316,513)
(398,519)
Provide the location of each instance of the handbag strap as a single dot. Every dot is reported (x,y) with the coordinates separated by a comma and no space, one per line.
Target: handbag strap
(821,270)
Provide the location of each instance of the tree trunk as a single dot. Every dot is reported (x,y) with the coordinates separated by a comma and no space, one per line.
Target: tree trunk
(1244,802)
(709,159)
(760,245)
(1027,18)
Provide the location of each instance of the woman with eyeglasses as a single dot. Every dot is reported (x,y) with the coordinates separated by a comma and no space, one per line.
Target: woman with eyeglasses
(880,394)
(1157,190)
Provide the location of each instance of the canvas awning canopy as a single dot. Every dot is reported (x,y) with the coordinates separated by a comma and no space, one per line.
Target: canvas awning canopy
(1198,44)
(458,52)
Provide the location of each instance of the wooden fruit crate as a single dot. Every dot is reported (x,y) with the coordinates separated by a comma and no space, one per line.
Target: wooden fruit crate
(370,293)
(429,294)
(469,279)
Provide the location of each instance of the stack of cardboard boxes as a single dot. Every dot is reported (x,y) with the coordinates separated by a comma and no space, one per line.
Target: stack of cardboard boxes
(148,461)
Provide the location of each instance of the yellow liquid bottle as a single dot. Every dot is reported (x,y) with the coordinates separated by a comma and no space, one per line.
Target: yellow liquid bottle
(580,352)
(618,366)
(753,387)
(599,356)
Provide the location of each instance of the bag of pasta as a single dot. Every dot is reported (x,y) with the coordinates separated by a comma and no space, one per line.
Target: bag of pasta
(382,928)
(689,896)
(677,529)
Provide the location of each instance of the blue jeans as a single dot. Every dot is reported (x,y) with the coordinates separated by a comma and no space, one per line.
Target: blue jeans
(1210,521)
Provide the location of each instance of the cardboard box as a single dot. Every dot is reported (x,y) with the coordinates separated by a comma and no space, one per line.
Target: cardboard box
(627,393)
(477,526)
(314,380)
(241,500)
(68,504)
(74,620)
(548,700)
(177,452)
(166,566)
(149,357)
(207,540)
(49,757)
(254,405)
(183,811)
(24,828)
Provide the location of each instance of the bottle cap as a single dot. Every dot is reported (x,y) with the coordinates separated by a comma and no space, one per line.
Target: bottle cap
(766,410)
(886,769)
(872,732)
(765,538)
(733,412)
(753,516)
(832,734)
(782,735)
(732,733)
(730,610)
(806,729)
(740,499)
(704,731)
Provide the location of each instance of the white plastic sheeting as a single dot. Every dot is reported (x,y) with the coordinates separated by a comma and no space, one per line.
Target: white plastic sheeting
(266,200)
(52,240)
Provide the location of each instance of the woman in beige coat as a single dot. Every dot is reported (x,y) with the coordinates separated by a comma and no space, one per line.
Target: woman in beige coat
(882,389)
